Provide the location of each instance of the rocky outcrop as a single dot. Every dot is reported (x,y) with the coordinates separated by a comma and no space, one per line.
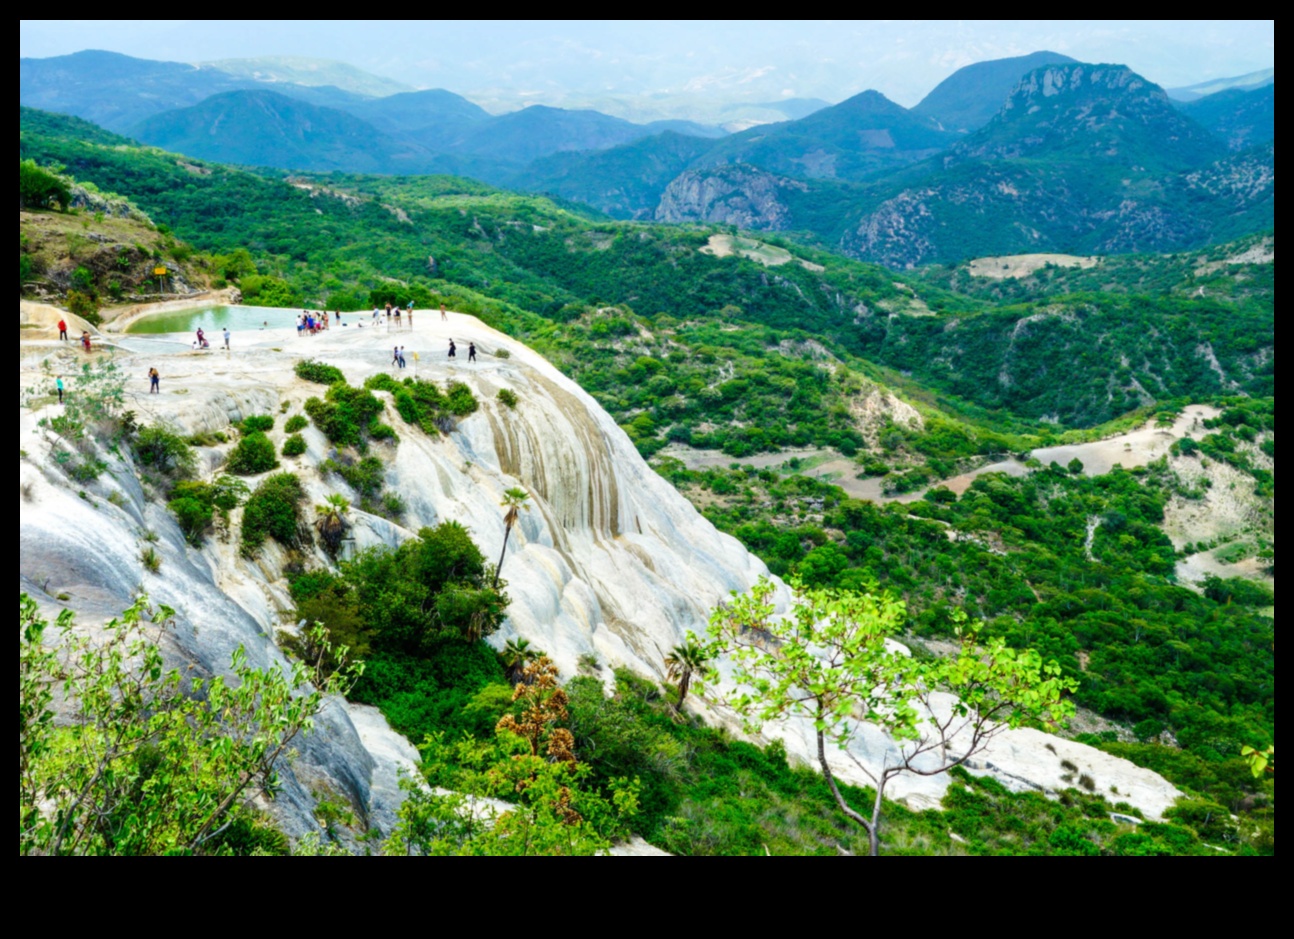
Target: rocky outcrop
(738,195)
(610,562)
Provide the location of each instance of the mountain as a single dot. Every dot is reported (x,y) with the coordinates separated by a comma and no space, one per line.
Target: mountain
(116,91)
(1246,82)
(264,128)
(624,182)
(969,98)
(850,140)
(1084,159)
(1241,118)
(427,115)
(302,70)
(1081,159)
(1091,115)
(859,137)
(537,131)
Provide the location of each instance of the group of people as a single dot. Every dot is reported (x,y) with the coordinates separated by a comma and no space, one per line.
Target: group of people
(471,351)
(85,341)
(395,315)
(203,343)
(308,324)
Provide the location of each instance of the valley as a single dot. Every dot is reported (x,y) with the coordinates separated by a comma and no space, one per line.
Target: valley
(1003,372)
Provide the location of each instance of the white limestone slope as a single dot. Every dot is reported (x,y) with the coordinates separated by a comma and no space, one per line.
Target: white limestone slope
(609,561)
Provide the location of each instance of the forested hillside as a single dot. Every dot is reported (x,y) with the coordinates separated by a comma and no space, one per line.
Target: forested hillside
(702,337)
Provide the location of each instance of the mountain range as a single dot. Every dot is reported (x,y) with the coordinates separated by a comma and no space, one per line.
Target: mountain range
(1034,153)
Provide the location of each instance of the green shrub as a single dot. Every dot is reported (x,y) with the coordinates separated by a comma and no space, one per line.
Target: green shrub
(40,189)
(295,445)
(151,559)
(507,397)
(344,413)
(164,451)
(366,477)
(194,517)
(382,382)
(379,431)
(273,511)
(255,423)
(460,400)
(254,454)
(318,372)
(295,424)
(194,504)
(84,305)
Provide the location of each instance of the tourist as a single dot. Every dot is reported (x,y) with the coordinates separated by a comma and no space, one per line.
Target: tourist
(471,352)
(85,340)
(397,317)
(62,329)
(443,317)
(453,349)
(58,386)
(226,338)
(154,382)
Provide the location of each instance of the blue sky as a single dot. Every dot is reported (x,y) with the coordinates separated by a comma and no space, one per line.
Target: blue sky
(562,61)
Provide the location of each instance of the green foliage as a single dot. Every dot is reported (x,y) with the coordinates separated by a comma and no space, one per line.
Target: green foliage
(253,455)
(294,445)
(150,764)
(195,504)
(318,372)
(40,189)
(1238,590)
(345,413)
(295,424)
(507,397)
(85,305)
(273,511)
(829,663)
(554,812)
(268,291)
(168,453)
(1150,649)
(261,423)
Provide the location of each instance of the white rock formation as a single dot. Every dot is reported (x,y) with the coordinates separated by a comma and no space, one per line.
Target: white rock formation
(610,560)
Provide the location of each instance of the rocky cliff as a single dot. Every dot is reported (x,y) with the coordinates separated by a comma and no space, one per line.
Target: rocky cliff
(611,562)
(738,195)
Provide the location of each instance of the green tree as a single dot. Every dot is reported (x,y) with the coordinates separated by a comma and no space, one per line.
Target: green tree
(41,189)
(514,500)
(829,662)
(682,662)
(517,654)
(550,809)
(145,765)
(330,519)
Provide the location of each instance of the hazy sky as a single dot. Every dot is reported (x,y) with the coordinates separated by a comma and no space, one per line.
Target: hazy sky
(745,60)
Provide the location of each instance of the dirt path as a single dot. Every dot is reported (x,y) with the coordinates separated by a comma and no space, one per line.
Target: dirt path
(1135,448)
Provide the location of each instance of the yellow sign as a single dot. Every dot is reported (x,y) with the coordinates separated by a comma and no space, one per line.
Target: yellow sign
(159,271)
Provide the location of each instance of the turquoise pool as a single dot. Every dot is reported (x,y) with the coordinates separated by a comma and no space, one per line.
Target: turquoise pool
(214,318)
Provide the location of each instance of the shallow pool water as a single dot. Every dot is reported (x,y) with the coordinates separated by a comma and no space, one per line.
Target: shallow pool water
(214,318)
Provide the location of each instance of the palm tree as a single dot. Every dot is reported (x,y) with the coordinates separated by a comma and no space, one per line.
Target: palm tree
(681,663)
(331,521)
(514,500)
(517,654)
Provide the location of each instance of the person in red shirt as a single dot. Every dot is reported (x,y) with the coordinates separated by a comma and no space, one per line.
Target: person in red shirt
(62,329)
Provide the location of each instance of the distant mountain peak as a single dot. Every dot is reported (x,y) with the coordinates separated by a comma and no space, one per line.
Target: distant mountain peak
(1099,113)
(971,96)
(1078,79)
